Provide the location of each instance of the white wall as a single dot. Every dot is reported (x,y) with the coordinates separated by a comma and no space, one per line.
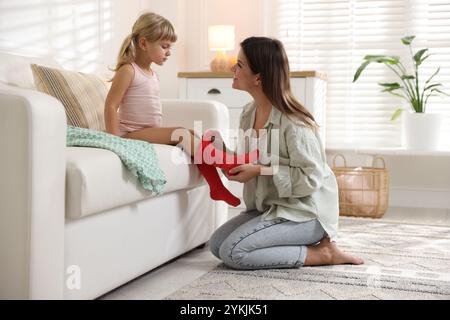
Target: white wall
(244,15)
(173,10)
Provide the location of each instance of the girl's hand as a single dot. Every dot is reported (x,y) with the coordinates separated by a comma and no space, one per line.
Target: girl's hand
(243,173)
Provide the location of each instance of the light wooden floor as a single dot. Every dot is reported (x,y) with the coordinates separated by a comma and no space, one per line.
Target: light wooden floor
(168,278)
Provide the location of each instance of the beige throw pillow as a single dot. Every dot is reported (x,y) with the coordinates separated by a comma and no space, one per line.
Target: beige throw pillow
(82,95)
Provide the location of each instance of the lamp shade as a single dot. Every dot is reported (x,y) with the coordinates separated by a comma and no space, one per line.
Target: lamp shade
(221,37)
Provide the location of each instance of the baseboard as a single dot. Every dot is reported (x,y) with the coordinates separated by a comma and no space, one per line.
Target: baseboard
(419,198)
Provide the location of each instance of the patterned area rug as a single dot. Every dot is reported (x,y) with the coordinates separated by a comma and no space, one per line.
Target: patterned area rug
(402,261)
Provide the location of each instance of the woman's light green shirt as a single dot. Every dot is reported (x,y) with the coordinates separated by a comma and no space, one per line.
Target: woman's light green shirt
(303,187)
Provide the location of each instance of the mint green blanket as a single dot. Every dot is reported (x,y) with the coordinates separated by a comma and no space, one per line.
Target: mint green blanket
(138,156)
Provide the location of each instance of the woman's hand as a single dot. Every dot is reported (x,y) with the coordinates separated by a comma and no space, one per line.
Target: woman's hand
(243,173)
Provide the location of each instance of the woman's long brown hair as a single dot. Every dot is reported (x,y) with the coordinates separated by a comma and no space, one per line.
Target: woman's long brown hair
(267,57)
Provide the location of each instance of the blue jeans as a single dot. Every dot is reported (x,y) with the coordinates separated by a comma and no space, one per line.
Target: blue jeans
(247,242)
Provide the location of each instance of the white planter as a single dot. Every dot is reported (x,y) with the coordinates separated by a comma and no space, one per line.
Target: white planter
(422,131)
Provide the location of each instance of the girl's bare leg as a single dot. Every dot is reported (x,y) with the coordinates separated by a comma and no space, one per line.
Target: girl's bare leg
(327,253)
(186,138)
(171,136)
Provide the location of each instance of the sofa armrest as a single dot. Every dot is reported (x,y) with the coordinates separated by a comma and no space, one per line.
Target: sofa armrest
(32,171)
(207,114)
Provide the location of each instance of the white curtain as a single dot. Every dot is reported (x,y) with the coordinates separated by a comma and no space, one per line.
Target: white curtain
(334,35)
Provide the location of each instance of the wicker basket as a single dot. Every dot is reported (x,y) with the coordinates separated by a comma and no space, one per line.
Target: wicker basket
(363,191)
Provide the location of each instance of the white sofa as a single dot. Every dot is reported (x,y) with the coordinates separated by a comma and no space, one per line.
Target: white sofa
(74,223)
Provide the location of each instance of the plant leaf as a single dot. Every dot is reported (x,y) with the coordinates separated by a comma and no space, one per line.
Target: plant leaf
(424,58)
(397,95)
(390,90)
(426,82)
(397,114)
(429,95)
(417,105)
(408,77)
(432,86)
(373,57)
(441,92)
(407,40)
(360,69)
(394,85)
(392,60)
(418,56)
(382,59)
(434,95)
(437,90)
(437,71)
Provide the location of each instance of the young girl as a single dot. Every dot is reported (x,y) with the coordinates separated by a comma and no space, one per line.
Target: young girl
(292,214)
(135,88)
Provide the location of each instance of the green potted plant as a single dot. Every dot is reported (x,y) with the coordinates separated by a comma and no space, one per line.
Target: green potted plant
(421,130)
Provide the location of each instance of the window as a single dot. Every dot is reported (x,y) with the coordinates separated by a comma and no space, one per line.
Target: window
(334,35)
(77,34)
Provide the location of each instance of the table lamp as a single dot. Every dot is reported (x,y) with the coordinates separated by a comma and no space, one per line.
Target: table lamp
(221,39)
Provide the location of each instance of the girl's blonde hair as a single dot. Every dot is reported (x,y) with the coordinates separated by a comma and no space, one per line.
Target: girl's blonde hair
(152,27)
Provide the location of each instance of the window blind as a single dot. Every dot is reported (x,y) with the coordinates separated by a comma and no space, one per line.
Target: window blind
(334,35)
(77,34)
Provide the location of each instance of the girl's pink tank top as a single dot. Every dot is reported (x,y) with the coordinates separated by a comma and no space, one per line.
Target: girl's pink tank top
(141,104)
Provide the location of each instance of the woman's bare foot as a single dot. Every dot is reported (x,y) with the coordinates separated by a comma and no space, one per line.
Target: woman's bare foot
(327,253)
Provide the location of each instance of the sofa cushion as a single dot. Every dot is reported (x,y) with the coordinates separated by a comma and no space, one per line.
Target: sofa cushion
(15,69)
(82,95)
(96,179)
